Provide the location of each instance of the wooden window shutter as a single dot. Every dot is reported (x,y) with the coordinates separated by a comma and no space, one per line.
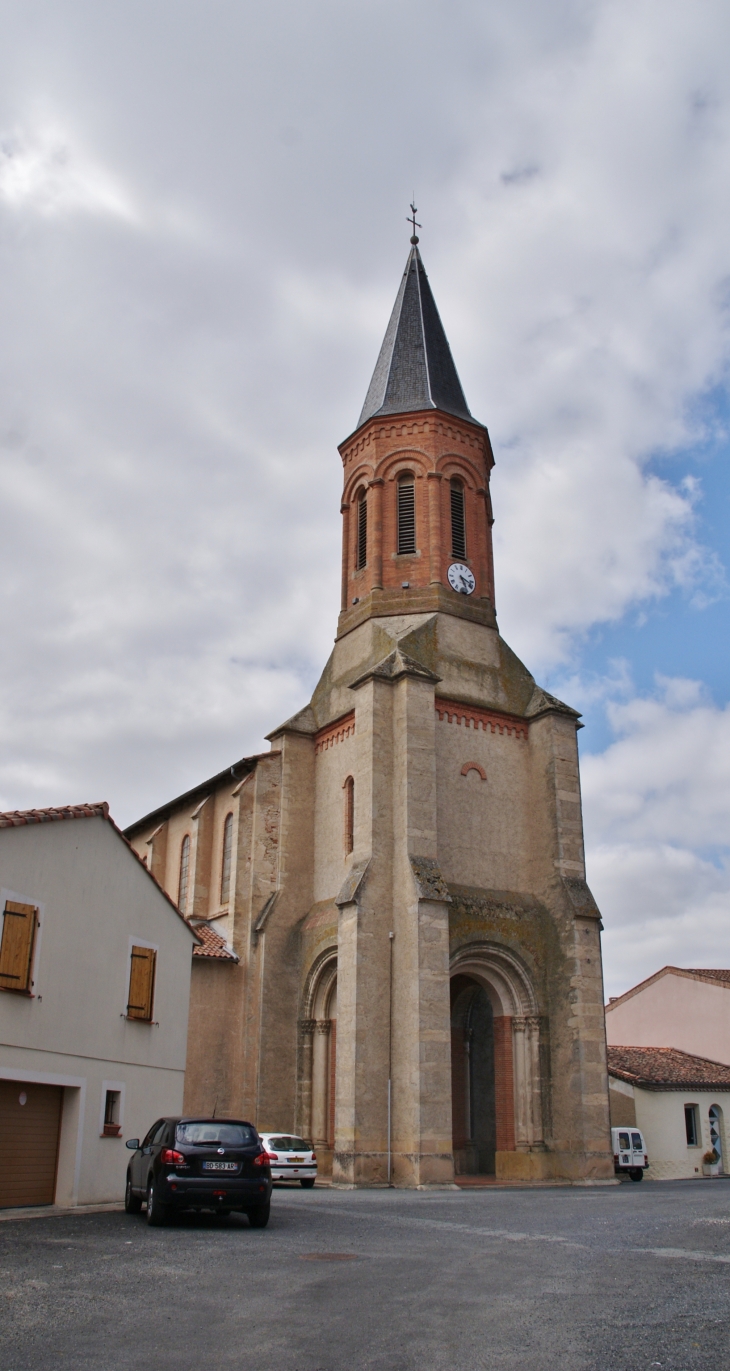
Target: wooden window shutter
(16,949)
(141,983)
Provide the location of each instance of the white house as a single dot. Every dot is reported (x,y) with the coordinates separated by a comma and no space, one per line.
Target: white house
(94,990)
(688,1009)
(679,1101)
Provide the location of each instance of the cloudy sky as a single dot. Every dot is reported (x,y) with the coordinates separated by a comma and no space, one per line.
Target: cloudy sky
(202,230)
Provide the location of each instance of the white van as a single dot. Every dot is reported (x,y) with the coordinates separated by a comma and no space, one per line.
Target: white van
(629,1152)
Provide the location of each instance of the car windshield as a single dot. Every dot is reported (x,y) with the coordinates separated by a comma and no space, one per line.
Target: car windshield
(288,1144)
(207,1132)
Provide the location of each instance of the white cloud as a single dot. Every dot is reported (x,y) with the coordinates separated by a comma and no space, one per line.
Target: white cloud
(657,814)
(44,171)
(171,400)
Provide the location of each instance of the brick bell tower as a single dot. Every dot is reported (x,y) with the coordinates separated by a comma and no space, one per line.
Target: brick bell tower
(430,999)
(416,494)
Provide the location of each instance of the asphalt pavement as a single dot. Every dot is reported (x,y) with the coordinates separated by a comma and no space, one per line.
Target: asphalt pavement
(601,1279)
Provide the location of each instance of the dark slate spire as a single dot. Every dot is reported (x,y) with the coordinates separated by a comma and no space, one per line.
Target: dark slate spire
(415,369)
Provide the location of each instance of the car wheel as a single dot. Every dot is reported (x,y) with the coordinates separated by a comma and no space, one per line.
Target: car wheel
(258,1218)
(307,1184)
(636,1173)
(132,1202)
(157,1214)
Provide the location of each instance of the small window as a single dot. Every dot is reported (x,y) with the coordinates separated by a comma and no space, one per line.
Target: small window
(182,892)
(16,949)
(142,984)
(636,1142)
(458,520)
(111,1114)
(406,515)
(362,531)
(349,789)
(691,1125)
(623,1142)
(226,859)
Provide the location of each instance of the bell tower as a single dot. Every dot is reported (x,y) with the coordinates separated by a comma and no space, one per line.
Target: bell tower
(417,516)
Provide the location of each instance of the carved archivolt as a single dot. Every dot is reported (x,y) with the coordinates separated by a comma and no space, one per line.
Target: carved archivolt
(509,987)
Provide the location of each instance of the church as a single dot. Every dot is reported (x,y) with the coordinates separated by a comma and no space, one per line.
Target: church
(400,955)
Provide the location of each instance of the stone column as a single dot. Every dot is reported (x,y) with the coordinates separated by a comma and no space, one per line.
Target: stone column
(434,479)
(306,1034)
(376,525)
(320,1083)
(534,1083)
(521,1078)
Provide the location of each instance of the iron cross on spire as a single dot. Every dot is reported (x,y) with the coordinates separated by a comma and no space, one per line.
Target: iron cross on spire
(411,219)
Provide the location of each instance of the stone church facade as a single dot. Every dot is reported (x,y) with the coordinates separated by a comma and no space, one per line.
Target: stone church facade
(402,957)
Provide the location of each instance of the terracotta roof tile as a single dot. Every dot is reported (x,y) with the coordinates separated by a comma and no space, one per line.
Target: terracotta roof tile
(711,975)
(16,818)
(212,945)
(666,1068)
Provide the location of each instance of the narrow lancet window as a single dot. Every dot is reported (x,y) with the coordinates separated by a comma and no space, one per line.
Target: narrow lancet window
(226,859)
(406,515)
(362,531)
(458,520)
(349,789)
(182,891)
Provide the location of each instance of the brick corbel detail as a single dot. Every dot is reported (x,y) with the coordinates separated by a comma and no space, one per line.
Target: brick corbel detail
(336,732)
(486,719)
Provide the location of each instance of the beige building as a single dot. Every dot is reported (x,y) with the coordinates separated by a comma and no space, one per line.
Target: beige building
(94,991)
(686,1009)
(679,1101)
(401,878)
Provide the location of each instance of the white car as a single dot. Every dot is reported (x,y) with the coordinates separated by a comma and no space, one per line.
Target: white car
(292,1159)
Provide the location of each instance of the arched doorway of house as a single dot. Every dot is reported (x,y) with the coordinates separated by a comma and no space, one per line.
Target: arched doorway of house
(495,1060)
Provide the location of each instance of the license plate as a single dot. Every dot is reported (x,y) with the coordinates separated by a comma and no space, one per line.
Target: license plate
(295,1161)
(220,1166)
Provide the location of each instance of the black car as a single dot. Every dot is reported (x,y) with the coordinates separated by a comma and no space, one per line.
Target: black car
(218,1164)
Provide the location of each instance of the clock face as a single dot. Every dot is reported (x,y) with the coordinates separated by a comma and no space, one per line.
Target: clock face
(461,578)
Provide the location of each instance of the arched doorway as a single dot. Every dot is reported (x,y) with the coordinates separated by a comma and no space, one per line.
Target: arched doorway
(495,1060)
(472,1077)
(319,1060)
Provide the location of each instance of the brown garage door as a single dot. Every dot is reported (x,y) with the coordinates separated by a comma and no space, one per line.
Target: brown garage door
(30,1119)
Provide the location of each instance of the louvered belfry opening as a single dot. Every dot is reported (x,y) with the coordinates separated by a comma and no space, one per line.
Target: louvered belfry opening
(458,520)
(406,515)
(362,531)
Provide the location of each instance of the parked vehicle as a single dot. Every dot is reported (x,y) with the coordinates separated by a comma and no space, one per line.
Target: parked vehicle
(292,1158)
(629,1152)
(218,1164)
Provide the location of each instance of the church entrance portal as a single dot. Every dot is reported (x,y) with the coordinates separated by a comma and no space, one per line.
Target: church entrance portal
(472,1078)
(496,1074)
